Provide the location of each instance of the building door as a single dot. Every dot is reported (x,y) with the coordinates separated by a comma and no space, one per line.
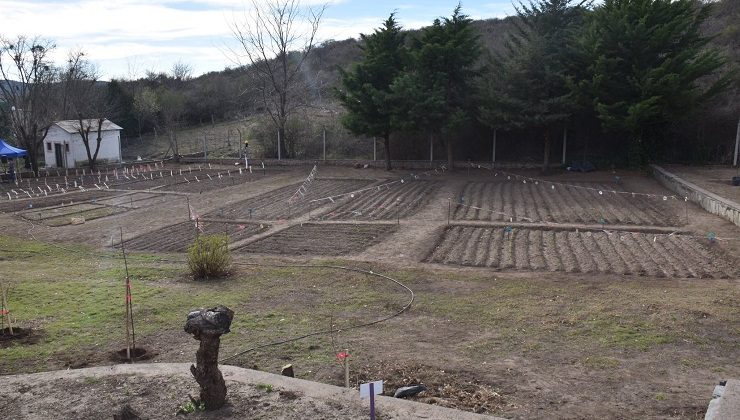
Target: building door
(59,155)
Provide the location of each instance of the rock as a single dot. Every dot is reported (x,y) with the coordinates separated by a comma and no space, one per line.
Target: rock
(409,391)
(287,370)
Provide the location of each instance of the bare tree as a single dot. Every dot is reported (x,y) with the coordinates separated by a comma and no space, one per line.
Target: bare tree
(275,39)
(171,109)
(181,71)
(26,87)
(146,107)
(85,100)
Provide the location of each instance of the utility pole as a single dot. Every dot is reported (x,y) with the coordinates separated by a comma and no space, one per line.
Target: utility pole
(375,156)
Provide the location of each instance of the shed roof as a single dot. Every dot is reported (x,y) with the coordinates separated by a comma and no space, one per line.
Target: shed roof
(71,126)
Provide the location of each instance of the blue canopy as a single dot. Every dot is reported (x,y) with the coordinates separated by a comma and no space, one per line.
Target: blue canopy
(8,151)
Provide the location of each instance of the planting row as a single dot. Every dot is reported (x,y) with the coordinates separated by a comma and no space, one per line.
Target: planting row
(385,202)
(322,239)
(581,252)
(277,204)
(178,237)
(586,203)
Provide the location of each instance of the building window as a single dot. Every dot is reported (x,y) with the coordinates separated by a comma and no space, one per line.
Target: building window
(66,147)
(48,146)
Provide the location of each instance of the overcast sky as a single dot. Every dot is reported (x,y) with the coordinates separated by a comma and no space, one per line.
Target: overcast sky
(125,38)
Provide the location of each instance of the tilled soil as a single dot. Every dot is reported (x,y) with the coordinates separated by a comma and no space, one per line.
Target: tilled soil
(331,239)
(275,205)
(178,237)
(581,202)
(385,202)
(574,251)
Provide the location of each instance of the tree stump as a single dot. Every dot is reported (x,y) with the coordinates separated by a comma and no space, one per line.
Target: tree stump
(207,326)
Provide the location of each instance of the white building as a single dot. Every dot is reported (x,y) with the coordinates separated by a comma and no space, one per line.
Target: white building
(63,146)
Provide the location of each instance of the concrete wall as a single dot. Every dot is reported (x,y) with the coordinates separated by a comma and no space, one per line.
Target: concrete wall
(709,201)
(77,155)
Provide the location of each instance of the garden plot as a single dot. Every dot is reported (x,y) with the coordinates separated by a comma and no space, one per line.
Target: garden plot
(274,205)
(385,202)
(178,237)
(130,201)
(188,181)
(617,252)
(91,209)
(534,202)
(64,215)
(55,199)
(322,239)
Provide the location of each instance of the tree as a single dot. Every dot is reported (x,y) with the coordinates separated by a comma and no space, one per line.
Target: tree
(145,107)
(86,101)
(647,57)
(530,84)
(27,84)
(366,89)
(272,41)
(172,108)
(437,94)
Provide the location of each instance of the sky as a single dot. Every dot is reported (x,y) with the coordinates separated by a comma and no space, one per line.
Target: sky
(125,38)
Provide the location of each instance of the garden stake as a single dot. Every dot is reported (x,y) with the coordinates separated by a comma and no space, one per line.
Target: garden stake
(130,340)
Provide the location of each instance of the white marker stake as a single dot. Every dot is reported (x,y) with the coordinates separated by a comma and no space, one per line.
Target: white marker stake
(371,390)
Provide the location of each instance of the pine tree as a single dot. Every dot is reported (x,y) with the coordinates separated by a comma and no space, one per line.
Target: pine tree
(529,85)
(646,58)
(366,88)
(438,94)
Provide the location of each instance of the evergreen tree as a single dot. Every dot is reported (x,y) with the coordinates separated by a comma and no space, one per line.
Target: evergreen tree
(529,84)
(646,57)
(438,93)
(366,88)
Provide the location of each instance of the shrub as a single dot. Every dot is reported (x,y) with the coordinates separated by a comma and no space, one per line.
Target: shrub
(209,256)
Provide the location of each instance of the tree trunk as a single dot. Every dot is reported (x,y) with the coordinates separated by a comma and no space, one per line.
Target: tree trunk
(450,157)
(281,136)
(207,326)
(207,374)
(387,145)
(546,160)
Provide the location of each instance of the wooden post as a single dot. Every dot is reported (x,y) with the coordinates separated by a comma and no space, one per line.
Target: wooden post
(493,153)
(7,315)
(324,136)
(565,143)
(346,369)
(431,150)
(127,301)
(737,143)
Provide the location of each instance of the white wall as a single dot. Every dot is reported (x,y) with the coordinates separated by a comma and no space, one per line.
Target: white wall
(109,147)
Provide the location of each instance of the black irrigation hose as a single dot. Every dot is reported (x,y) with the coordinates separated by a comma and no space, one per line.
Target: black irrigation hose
(329,331)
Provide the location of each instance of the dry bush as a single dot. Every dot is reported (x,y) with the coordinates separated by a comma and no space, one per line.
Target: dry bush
(209,256)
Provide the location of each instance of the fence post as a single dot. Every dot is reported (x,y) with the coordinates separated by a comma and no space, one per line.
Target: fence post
(324,135)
